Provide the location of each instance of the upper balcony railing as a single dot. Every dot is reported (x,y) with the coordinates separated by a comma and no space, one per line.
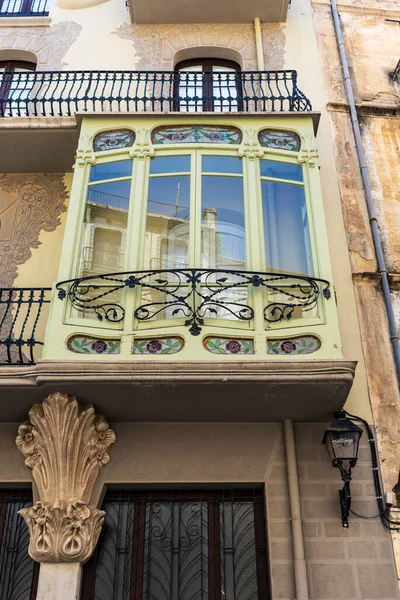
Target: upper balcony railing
(24,8)
(64,93)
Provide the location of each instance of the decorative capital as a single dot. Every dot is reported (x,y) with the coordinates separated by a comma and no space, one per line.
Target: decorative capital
(65,445)
(143,146)
(250,146)
(308,153)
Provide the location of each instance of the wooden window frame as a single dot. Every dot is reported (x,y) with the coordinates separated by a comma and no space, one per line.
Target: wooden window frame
(207,65)
(9,67)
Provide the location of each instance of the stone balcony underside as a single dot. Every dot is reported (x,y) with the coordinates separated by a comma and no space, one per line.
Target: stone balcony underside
(247,391)
(207,11)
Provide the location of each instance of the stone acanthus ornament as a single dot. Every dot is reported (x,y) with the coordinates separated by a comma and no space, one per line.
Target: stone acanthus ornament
(142,146)
(250,146)
(308,153)
(84,153)
(65,444)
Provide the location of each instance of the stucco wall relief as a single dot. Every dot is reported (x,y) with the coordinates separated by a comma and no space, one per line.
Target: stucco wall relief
(50,45)
(157,45)
(29,204)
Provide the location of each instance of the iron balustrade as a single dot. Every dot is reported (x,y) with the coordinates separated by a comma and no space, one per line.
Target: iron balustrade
(193,294)
(24,8)
(20,312)
(63,93)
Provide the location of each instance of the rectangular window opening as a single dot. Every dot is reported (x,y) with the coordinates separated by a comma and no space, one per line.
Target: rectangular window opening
(180,545)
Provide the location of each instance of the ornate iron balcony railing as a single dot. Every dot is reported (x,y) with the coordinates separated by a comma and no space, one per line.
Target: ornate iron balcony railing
(193,294)
(24,8)
(20,312)
(63,93)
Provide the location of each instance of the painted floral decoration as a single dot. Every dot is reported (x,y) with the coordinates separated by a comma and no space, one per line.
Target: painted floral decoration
(233,346)
(99,346)
(154,346)
(288,347)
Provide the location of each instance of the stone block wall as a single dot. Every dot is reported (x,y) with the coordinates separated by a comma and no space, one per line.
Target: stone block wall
(347,564)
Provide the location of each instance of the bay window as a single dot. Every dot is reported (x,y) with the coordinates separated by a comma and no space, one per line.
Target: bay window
(193,230)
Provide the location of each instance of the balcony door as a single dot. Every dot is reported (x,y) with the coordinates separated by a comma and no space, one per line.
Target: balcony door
(16,83)
(208,85)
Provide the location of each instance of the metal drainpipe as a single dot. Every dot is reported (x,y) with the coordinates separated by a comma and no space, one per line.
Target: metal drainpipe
(394,338)
(259,45)
(300,569)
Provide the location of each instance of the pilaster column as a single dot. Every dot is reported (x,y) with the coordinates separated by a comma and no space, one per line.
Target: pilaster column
(65,445)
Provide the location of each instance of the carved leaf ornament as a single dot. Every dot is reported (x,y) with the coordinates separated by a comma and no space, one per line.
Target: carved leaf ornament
(65,444)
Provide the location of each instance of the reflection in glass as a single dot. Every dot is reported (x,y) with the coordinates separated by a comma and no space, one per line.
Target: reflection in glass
(167,224)
(286,233)
(222,164)
(111,170)
(223,242)
(170,164)
(281,170)
(104,228)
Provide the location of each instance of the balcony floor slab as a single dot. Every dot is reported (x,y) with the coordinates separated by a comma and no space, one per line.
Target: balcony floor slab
(240,391)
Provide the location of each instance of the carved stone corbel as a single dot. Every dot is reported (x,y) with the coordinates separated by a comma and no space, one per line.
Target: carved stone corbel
(250,146)
(84,154)
(308,153)
(143,146)
(65,445)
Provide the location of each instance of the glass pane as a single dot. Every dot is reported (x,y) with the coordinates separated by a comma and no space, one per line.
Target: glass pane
(113,195)
(225,91)
(223,234)
(286,234)
(222,164)
(190,90)
(167,226)
(17,87)
(170,164)
(112,170)
(104,229)
(281,170)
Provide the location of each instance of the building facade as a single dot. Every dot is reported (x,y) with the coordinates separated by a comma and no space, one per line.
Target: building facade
(178,198)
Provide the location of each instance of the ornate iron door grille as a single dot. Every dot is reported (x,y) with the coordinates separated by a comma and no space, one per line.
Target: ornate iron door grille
(18,572)
(199,545)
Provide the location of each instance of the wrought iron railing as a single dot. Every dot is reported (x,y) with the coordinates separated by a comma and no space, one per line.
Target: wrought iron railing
(20,312)
(63,93)
(193,294)
(24,8)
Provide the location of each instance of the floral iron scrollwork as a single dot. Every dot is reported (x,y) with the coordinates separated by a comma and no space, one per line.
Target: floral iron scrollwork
(195,294)
(65,445)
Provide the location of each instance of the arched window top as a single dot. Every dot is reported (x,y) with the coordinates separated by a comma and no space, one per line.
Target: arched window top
(279,140)
(16,66)
(196,134)
(207,65)
(113,140)
(208,84)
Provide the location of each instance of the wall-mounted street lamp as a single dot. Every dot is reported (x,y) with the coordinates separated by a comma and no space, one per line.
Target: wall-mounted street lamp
(341,440)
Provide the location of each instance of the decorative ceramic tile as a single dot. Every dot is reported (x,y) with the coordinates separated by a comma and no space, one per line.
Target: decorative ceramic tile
(218,345)
(200,134)
(294,345)
(280,140)
(90,345)
(111,140)
(167,345)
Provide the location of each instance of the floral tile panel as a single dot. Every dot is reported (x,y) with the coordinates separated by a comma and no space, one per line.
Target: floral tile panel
(199,134)
(167,345)
(219,345)
(90,345)
(279,140)
(295,345)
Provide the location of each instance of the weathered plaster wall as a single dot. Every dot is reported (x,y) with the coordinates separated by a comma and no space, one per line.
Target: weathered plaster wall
(373,48)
